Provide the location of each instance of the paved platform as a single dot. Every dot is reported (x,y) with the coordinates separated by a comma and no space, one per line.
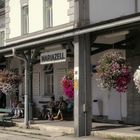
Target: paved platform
(45,127)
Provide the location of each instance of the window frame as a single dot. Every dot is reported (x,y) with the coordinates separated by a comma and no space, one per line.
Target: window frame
(24,30)
(2,39)
(48,73)
(47,24)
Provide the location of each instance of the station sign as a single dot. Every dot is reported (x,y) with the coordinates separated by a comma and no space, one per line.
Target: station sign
(53,57)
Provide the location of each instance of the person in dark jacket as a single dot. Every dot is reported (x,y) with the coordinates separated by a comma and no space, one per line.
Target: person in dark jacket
(62,106)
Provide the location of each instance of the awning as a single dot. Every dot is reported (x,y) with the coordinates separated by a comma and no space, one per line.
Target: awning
(123,23)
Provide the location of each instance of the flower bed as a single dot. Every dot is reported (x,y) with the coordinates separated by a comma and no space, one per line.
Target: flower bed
(113,71)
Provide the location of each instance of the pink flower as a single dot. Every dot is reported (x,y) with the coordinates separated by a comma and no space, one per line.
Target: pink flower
(68,84)
(9,81)
(113,71)
(121,83)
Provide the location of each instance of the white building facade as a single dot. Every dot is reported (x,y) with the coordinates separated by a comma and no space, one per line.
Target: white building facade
(48,25)
(2,26)
(35,19)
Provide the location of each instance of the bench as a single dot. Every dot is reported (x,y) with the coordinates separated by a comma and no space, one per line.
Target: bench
(4,115)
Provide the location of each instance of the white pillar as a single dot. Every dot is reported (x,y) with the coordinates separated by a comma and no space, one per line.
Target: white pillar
(26,102)
(82,79)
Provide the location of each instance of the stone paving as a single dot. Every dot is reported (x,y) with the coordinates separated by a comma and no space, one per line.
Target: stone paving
(44,127)
(11,135)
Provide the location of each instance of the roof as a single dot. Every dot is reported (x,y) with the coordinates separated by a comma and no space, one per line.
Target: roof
(123,23)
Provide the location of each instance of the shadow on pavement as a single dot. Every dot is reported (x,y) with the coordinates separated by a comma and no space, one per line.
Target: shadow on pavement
(7,124)
(107,127)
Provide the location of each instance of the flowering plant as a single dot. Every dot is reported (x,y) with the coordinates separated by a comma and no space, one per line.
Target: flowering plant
(9,81)
(68,84)
(113,71)
(137,79)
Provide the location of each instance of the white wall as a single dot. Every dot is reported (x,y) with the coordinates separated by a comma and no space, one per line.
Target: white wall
(101,10)
(114,104)
(60,15)
(2,22)
(138,6)
(35,15)
(60,9)
(59,72)
(15,18)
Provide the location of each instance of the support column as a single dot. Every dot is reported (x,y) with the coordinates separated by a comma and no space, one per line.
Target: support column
(30,93)
(26,57)
(26,103)
(28,89)
(82,83)
(29,59)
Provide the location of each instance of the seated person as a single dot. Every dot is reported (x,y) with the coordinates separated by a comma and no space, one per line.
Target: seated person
(48,110)
(18,111)
(14,105)
(43,113)
(51,108)
(62,105)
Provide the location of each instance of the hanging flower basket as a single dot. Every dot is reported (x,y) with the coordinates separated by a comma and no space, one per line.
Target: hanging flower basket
(68,84)
(113,71)
(9,81)
(137,79)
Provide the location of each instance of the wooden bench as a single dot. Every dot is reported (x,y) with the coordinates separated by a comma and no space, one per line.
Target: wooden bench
(4,115)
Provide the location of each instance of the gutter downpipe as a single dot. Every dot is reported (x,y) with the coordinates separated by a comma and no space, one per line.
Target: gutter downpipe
(26,103)
(76,33)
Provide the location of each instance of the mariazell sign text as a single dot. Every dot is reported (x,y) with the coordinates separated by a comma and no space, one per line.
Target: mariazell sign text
(53,57)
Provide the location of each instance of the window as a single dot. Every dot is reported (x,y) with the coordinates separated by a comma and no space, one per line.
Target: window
(24,19)
(47,13)
(48,80)
(1,38)
(48,84)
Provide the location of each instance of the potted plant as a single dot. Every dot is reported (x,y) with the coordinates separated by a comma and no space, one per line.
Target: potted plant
(113,71)
(68,84)
(9,81)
